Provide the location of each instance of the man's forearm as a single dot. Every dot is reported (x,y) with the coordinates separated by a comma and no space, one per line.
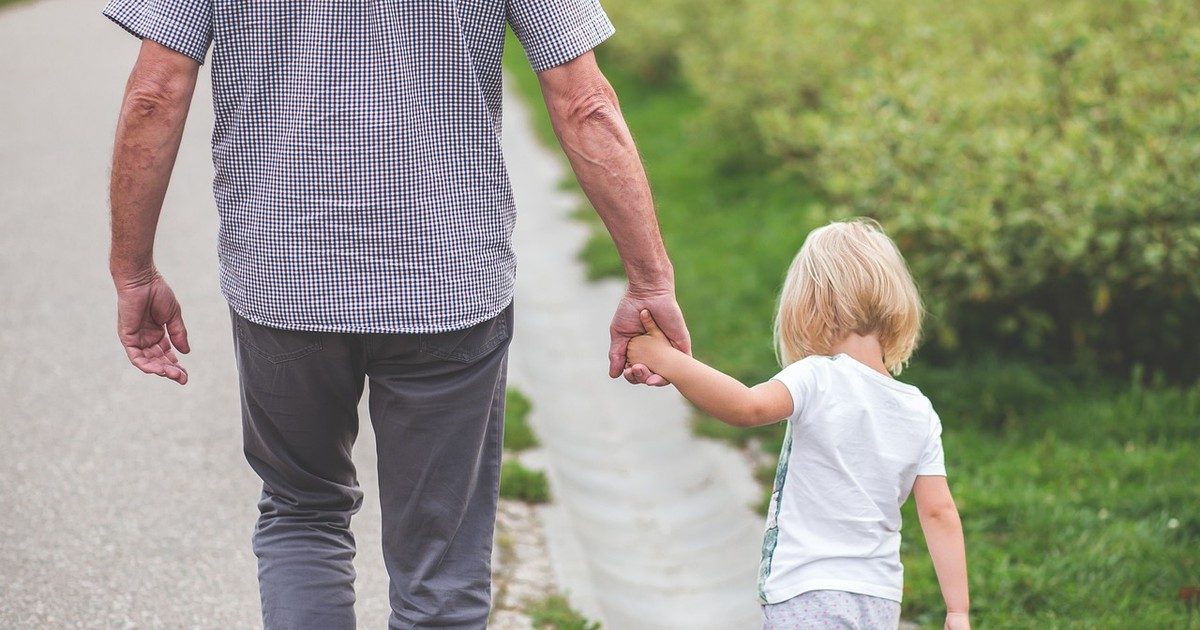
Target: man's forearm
(149,130)
(593,133)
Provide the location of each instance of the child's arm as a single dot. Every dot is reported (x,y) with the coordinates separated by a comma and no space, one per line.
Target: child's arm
(943,534)
(718,394)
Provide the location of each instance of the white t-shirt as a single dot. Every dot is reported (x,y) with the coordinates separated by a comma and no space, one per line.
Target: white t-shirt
(855,443)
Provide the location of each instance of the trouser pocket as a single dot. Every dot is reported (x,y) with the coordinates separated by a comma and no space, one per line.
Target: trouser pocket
(275,344)
(469,344)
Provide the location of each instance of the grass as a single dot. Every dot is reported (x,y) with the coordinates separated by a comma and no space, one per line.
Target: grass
(523,484)
(518,435)
(1078,492)
(1079,511)
(555,612)
(516,481)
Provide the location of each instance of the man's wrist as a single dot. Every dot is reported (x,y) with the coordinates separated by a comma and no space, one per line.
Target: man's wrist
(127,275)
(660,282)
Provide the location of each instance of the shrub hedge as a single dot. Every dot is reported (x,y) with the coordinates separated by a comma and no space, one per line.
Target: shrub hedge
(1038,163)
(653,35)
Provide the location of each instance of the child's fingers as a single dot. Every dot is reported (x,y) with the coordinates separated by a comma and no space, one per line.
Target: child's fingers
(648,323)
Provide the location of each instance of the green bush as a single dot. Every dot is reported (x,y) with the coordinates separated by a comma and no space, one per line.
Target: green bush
(522,484)
(993,394)
(651,34)
(1038,163)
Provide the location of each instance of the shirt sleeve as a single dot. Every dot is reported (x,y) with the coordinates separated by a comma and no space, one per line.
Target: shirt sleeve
(554,32)
(184,26)
(800,380)
(933,461)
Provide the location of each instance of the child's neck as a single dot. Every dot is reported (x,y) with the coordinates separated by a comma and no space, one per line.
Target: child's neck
(865,349)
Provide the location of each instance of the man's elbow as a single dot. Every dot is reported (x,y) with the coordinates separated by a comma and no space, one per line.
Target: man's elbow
(158,94)
(592,105)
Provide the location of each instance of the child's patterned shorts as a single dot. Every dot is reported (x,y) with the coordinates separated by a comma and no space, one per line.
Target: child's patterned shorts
(832,610)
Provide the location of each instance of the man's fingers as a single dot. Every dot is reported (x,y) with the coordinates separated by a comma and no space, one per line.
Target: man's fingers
(154,361)
(177,373)
(630,376)
(639,374)
(678,333)
(144,364)
(683,344)
(178,332)
(636,374)
(152,365)
(616,355)
(173,371)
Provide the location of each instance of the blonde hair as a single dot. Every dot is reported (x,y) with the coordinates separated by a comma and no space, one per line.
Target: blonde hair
(849,277)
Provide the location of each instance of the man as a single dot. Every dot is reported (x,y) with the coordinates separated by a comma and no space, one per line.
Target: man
(365,233)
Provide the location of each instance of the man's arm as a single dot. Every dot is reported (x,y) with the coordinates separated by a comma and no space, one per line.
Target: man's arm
(149,130)
(587,120)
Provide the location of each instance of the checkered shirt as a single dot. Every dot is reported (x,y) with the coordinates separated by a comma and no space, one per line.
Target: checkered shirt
(358,169)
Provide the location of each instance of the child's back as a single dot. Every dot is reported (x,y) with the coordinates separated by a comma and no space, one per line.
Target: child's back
(855,443)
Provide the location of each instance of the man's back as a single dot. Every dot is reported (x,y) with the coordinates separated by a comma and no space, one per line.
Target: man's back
(359,175)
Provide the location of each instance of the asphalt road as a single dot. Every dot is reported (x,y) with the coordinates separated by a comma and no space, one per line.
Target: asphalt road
(124,498)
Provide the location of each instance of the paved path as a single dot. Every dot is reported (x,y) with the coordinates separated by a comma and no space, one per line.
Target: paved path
(126,502)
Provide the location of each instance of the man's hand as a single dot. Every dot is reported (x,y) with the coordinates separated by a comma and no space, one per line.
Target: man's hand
(957,621)
(149,324)
(587,119)
(627,324)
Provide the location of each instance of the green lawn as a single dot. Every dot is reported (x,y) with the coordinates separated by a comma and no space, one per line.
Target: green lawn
(1079,493)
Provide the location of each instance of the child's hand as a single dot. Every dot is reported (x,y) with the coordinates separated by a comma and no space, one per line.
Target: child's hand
(957,621)
(651,349)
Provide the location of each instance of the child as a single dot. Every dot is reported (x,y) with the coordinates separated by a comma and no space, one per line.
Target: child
(857,441)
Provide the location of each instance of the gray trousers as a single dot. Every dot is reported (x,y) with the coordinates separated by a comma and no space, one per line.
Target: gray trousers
(832,610)
(437,407)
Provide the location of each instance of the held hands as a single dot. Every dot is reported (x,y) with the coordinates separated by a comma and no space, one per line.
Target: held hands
(150,326)
(627,325)
(652,349)
(957,621)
